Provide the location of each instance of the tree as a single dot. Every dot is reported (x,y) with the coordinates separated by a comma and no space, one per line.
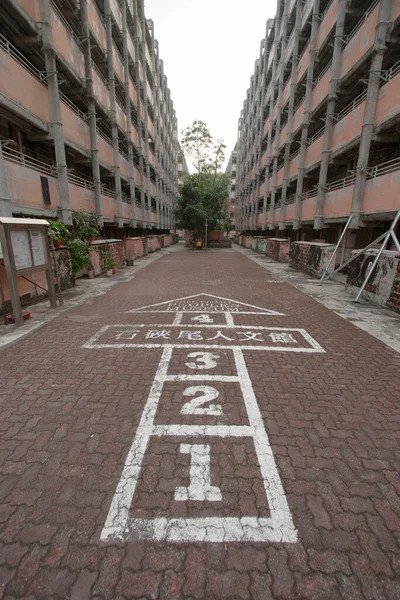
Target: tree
(202,194)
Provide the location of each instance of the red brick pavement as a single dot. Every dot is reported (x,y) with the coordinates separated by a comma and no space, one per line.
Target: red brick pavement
(69,414)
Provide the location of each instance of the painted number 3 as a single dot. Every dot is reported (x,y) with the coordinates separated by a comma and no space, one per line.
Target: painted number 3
(204,360)
(195,406)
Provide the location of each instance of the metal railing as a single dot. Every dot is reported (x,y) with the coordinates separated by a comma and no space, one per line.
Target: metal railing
(320,76)
(47,167)
(362,20)
(383,168)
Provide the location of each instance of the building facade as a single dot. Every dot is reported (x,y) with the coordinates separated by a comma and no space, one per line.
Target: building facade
(86,116)
(230,172)
(319,133)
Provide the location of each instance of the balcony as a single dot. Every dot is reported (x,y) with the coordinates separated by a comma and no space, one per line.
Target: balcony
(65,43)
(385,176)
(21,82)
(116,13)
(96,25)
(75,125)
(360,40)
(303,62)
(321,86)
(328,23)
(31,7)
(298,118)
(314,149)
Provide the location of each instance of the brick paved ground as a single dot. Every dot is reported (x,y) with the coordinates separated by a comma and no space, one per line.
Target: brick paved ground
(69,414)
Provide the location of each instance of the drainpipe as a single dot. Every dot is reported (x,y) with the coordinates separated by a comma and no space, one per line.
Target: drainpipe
(289,134)
(367,131)
(139,110)
(5,200)
(267,184)
(55,111)
(330,114)
(94,147)
(125,51)
(113,111)
(279,114)
(306,114)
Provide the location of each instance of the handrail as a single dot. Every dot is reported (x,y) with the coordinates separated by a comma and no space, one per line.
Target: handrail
(320,76)
(362,20)
(45,167)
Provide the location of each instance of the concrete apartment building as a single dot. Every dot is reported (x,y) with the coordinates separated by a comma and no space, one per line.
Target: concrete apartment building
(319,134)
(230,172)
(86,116)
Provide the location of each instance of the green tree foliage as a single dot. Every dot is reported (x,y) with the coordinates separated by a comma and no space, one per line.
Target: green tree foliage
(202,194)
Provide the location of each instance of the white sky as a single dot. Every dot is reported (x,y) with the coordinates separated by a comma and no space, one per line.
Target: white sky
(209,48)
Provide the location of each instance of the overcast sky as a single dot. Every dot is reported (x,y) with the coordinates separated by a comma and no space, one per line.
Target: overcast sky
(209,48)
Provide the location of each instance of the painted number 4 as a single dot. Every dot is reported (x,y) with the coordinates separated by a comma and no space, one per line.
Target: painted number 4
(203,319)
(195,406)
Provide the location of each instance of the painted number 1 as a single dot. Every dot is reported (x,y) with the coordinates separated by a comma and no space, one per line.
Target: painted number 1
(195,406)
(200,487)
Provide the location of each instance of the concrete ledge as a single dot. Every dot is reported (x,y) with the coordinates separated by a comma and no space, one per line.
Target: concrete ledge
(311,257)
(278,249)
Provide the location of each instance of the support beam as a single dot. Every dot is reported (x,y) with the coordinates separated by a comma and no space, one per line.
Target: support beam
(94,146)
(5,199)
(330,111)
(370,109)
(113,110)
(55,111)
(306,115)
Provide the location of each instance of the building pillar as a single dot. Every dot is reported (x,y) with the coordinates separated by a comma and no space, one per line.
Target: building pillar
(139,111)
(113,111)
(94,147)
(289,134)
(370,109)
(55,111)
(306,116)
(128,134)
(5,200)
(279,112)
(330,113)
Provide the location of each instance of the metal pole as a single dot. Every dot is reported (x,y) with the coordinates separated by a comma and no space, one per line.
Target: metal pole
(329,276)
(377,257)
(205,244)
(336,249)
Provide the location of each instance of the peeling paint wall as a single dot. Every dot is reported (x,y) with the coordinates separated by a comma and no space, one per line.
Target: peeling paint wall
(383,287)
(278,249)
(310,257)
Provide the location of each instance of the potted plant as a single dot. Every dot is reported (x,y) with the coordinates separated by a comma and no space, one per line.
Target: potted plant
(91,233)
(109,263)
(58,233)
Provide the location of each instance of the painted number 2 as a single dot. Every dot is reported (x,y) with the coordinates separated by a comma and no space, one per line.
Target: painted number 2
(195,406)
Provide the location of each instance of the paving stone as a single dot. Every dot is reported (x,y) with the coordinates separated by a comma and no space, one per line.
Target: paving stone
(69,414)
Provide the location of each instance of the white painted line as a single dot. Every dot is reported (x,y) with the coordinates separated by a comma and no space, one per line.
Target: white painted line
(226,378)
(200,487)
(260,310)
(119,510)
(178,318)
(279,509)
(205,529)
(203,430)
(317,347)
(229,320)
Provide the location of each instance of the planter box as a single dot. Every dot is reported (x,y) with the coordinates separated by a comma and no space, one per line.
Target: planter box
(278,249)
(311,257)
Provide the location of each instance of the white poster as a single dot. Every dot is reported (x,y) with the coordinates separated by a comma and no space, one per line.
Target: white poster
(21,250)
(38,248)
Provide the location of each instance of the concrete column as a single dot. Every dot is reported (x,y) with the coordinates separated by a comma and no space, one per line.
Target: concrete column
(330,113)
(146,124)
(289,134)
(55,111)
(370,109)
(5,200)
(127,77)
(113,110)
(139,111)
(94,147)
(307,114)
(267,183)
(279,112)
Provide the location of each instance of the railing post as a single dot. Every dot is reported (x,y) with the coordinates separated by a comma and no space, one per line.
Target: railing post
(5,199)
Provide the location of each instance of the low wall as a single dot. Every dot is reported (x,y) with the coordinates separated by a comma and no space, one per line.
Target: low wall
(311,257)
(259,244)
(133,247)
(153,243)
(278,249)
(98,251)
(30,293)
(383,288)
